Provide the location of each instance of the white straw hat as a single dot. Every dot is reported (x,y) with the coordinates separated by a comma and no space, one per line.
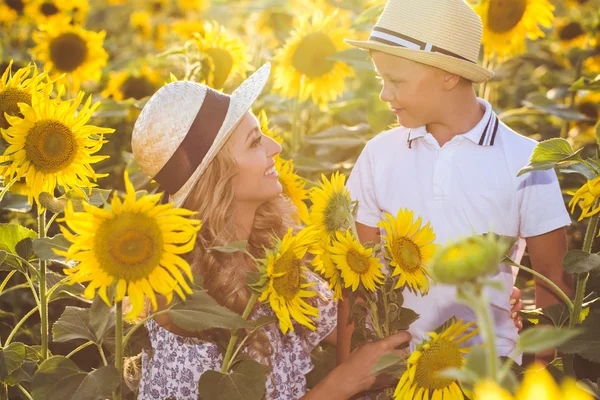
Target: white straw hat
(442,33)
(183,126)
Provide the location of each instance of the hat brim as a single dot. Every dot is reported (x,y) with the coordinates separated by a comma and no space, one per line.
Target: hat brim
(240,102)
(466,69)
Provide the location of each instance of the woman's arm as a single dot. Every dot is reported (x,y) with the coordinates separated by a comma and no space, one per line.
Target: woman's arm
(354,375)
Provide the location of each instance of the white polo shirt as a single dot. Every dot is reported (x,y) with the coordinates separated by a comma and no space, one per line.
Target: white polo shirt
(468,186)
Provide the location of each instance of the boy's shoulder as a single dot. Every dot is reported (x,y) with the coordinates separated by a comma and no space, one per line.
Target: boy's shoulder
(516,147)
(387,138)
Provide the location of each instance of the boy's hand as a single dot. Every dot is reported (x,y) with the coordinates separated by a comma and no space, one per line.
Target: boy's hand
(517,305)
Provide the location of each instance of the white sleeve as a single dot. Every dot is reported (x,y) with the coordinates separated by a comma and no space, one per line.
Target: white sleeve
(541,205)
(361,187)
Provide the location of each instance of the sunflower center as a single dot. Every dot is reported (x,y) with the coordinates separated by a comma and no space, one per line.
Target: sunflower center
(504,15)
(571,31)
(50,146)
(441,355)
(589,109)
(287,285)
(48,9)
(406,253)
(311,55)
(137,87)
(68,51)
(222,63)
(359,263)
(129,246)
(8,104)
(336,214)
(16,5)
(279,20)
(156,6)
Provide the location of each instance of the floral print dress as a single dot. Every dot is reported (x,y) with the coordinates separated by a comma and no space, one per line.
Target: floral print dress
(177,362)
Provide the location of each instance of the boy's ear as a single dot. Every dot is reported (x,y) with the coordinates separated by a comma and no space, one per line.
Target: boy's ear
(451,81)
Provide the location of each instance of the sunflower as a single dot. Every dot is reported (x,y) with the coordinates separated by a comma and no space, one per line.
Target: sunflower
(293,187)
(155,6)
(186,28)
(70,49)
(304,69)
(266,129)
(193,5)
(52,144)
(331,209)
(18,88)
(569,34)
(507,23)
(537,384)
(274,24)
(45,11)
(134,246)
(223,55)
(141,24)
(123,85)
(79,10)
(437,353)
(591,65)
(11,10)
(409,247)
(586,196)
(323,264)
(356,263)
(287,286)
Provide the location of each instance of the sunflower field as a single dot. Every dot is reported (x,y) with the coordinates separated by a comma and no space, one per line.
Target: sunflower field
(86,245)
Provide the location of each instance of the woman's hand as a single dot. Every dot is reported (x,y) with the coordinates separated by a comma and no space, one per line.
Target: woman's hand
(354,375)
(517,305)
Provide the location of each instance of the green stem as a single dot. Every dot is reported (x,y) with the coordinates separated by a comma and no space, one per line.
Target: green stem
(243,342)
(16,287)
(234,335)
(7,187)
(119,347)
(295,128)
(18,325)
(564,132)
(50,221)
(42,288)
(3,391)
(142,322)
(83,346)
(25,393)
(5,281)
(102,355)
(32,287)
(553,285)
(57,285)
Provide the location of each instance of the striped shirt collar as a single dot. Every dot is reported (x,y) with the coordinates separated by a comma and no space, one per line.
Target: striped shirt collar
(483,134)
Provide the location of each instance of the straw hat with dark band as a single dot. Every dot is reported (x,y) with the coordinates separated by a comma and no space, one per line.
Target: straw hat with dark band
(442,33)
(183,126)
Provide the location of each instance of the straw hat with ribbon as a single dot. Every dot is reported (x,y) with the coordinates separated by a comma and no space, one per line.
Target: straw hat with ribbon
(183,126)
(442,33)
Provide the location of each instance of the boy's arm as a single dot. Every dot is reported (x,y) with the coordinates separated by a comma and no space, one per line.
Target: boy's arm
(344,330)
(546,253)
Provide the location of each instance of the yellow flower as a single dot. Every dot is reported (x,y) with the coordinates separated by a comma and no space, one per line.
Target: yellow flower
(437,353)
(155,6)
(141,24)
(123,85)
(44,11)
(331,206)
(275,23)
(70,49)
(410,248)
(304,69)
(11,10)
(324,265)
(264,127)
(570,33)
(52,144)
(508,23)
(538,384)
(134,246)
(18,88)
(186,28)
(198,6)
(287,286)
(586,196)
(224,55)
(356,263)
(293,187)
(591,65)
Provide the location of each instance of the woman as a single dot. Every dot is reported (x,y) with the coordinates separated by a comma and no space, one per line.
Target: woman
(207,152)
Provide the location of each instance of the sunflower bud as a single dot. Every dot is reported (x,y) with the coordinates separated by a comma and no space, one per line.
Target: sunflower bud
(467,259)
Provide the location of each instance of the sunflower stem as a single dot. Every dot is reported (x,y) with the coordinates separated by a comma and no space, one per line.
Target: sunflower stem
(50,222)
(83,346)
(7,187)
(549,282)
(3,391)
(119,347)
(142,322)
(234,335)
(102,355)
(19,324)
(5,281)
(25,392)
(295,127)
(564,132)
(42,289)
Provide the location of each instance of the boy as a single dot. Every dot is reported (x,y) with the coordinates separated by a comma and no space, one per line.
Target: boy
(452,161)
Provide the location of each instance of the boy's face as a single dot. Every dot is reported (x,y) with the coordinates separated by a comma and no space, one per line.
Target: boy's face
(413,90)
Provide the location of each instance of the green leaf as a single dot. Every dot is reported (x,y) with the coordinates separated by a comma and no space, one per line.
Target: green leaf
(74,323)
(538,101)
(233,247)
(557,314)
(200,312)
(597,129)
(578,262)
(587,344)
(369,15)
(11,358)
(140,340)
(64,291)
(59,378)
(549,154)
(323,358)
(23,374)
(445,325)
(405,318)
(543,338)
(44,248)
(11,234)
(386,361)
(25,248)
(586,84)
(246,382)
(102,318)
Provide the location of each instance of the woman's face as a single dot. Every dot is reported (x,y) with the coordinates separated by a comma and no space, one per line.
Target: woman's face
(254,153)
